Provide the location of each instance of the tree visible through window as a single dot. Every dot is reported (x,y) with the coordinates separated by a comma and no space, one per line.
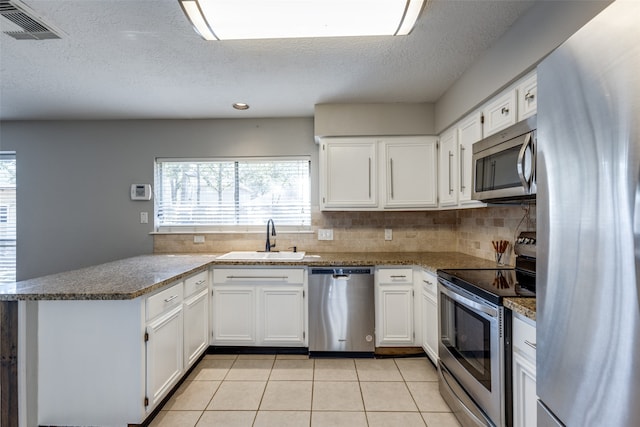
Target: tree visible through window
(232,193)
(7,217)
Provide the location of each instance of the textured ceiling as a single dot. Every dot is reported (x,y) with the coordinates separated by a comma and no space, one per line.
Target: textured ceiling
(141,59)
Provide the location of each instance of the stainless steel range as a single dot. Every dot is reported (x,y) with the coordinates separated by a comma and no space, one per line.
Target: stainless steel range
(474,347)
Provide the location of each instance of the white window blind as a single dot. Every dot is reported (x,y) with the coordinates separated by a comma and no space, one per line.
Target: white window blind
(224,194)
(7,217)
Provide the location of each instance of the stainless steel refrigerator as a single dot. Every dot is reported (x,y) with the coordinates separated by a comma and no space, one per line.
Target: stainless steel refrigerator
(588,279)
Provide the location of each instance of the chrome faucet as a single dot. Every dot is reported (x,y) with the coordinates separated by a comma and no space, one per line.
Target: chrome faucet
(268,244)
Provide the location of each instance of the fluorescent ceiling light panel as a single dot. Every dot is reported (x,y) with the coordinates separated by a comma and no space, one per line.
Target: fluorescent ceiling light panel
(274,19)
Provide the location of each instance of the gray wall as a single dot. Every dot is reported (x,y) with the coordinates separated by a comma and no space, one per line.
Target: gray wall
(73,179)
(532,37)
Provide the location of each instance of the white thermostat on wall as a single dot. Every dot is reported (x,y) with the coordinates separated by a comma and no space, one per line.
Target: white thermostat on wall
(140,191)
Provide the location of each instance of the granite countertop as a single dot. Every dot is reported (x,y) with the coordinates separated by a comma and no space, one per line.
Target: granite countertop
(132,277)
(524,306)
(430,260)
(117,280)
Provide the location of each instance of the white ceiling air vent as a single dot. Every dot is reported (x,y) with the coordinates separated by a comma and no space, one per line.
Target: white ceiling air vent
(29,26)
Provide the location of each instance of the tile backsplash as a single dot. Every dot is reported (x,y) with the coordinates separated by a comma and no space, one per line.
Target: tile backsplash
(468,231)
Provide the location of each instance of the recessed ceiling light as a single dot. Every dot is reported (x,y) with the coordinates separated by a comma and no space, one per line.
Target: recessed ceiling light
(240,106)
(278,19)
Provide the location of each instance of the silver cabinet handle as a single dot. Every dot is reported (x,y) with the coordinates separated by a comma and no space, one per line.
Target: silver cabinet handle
(171,298)
(258,277)
(504,111)
(200,282)
(369,177)
(530,344)
(462,187)
(391,175)
(399,277)
(450,186)
(529,96)
(427,282)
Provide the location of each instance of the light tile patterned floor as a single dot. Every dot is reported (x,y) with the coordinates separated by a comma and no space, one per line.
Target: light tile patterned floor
(295,391)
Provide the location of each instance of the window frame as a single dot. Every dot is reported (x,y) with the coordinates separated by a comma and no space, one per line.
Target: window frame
(231,229)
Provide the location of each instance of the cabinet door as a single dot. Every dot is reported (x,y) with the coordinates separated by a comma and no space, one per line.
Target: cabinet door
(164,354)
(429,308)
(448,177)
(410,172)
(524,372)
(234,321)
(196,327)
(349,173)
(524,392)
(394,315)
(500,113)
(527,97)
(282,312)
(430,326)
(469,132)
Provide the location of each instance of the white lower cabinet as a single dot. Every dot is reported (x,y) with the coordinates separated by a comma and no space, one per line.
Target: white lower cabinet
(164,354)
(196,327)
(259,307)
(111,362)
(234,321)
(394,311)
(196,317)
(429,315)
(524,372)
(282,315)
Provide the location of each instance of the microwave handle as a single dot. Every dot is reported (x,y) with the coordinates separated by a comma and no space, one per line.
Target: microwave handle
(525,182)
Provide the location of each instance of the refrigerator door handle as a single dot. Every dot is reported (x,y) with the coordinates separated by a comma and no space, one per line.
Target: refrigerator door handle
(526,181)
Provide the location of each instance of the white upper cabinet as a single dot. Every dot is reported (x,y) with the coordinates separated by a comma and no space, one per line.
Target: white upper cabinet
(501,112)
(448,177)
(410,172)
(469,132)
(527,96)
(352,177)
(348,173)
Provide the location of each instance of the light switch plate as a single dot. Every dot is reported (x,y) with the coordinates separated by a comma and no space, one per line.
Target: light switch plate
(325,234)
(388,234)
(198,239)
(144,217)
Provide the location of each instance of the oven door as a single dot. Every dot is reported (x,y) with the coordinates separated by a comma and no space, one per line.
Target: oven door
(471,347)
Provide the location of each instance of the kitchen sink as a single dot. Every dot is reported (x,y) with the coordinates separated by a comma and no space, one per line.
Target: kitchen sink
(262,256)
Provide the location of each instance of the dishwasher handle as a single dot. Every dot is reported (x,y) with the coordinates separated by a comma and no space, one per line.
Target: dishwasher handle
(342,272)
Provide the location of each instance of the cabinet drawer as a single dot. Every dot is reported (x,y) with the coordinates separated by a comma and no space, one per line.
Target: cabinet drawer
(527,97)
(429,282)
(394,275)
(524,337)
(500,113)
(195,283)
(164,300)
(258,275)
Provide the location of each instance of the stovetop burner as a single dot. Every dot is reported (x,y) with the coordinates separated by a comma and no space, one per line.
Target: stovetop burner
(493,284)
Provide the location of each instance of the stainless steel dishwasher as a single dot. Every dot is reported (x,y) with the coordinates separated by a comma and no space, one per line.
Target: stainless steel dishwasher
(341,311)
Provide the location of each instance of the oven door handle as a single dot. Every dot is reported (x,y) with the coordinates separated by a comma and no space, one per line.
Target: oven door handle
(475,306)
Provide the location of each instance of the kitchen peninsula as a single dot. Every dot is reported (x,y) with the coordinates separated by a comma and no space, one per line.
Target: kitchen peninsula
(127,283)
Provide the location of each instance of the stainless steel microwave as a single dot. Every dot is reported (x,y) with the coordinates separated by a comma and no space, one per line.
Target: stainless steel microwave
(504,164)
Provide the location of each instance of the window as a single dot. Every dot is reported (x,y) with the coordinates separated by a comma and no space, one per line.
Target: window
(7,217)
(232,194)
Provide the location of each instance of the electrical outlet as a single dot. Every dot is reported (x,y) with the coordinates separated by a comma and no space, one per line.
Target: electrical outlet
(198,239)
(325,234)
(388,234)
(144,217)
